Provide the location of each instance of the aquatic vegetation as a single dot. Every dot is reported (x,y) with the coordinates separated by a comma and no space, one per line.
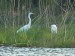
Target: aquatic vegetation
(39,37)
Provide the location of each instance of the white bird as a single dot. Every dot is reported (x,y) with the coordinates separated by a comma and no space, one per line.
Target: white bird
(26,27)
(53,28)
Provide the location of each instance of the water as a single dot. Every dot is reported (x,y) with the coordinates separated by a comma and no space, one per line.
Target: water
(28,51)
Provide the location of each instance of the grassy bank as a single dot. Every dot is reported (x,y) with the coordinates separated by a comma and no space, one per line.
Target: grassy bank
(13,15)
(39,37)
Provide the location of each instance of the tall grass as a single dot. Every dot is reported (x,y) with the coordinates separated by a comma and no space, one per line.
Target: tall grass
(13,15)
(39,37)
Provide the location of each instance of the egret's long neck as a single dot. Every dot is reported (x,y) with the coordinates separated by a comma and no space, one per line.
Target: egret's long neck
(29,19)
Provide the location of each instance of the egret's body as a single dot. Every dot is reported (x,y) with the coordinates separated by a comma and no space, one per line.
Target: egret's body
(26,27)
(53,28)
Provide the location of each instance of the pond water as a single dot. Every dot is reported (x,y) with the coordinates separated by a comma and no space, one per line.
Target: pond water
(29,51)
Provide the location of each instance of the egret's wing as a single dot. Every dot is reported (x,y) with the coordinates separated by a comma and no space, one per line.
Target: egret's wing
(24,28)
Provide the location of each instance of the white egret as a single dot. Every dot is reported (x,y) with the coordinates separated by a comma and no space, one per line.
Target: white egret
(53,28)
(26,27)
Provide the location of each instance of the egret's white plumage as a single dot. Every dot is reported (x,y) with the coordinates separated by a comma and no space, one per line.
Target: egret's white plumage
(53,28)
(26,27)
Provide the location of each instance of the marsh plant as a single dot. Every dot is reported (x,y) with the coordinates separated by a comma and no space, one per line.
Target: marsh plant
(13,15)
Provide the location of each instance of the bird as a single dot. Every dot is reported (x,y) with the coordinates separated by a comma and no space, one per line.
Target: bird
(53,28)
(26,27)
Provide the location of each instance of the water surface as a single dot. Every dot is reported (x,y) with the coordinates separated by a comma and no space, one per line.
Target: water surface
(29,51)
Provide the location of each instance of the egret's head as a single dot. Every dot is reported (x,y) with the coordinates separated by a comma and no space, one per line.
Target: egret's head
(31,13)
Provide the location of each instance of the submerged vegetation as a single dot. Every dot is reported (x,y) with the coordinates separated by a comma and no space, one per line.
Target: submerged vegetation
(13,15)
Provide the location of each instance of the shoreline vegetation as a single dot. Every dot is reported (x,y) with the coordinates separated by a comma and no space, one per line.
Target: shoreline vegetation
(13,15)
(38,38)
